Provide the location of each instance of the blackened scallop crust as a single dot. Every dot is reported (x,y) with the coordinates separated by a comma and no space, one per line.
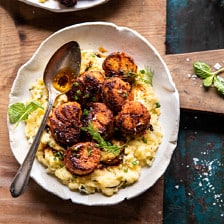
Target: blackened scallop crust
(133,119)
(82,158)
(65,123)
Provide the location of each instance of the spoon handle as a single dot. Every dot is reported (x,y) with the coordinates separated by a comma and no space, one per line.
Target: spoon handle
(22,176)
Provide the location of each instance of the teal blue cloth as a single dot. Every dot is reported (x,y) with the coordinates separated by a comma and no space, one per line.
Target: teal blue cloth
(194,180)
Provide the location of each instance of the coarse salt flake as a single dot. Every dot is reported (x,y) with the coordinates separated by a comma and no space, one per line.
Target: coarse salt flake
(217,66)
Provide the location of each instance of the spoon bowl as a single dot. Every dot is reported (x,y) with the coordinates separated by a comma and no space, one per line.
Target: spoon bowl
(59,74)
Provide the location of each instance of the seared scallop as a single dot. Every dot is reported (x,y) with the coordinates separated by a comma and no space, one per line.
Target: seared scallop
(121,65)
(134,118)
(65,123)
(115,92)
(101,119)
(82,158)
(87,88)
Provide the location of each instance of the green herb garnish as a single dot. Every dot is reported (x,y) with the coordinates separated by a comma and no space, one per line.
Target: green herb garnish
(148,75)
(19,111)
(107,146)
(94,99)
(144,140)
(89,149)
(126,170)
(76,84)
(158,105)
(85,112)
(58,155)
(79,92)
(203,71)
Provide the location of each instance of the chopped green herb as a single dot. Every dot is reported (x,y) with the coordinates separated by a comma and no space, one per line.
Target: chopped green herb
(89,148)
(126,170)
(144,140)
(76,154)
(158,105)
(58,155)
(76,84)
(79,92)
(85,112)
(76,97)
(86,95)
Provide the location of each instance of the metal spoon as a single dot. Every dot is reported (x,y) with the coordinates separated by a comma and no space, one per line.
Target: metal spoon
(68,56)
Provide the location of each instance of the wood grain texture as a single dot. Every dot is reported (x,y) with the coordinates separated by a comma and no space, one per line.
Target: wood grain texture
(193,96)
(22,29)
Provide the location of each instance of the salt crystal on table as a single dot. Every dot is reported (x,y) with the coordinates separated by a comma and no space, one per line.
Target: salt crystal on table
(217,66)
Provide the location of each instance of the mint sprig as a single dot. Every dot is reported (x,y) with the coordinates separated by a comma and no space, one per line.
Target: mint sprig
(19,111)
(204,71)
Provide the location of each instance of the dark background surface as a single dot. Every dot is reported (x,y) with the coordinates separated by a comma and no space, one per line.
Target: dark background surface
(194,181)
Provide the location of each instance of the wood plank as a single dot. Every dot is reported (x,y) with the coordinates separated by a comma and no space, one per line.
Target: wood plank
(22,29)
(193,96)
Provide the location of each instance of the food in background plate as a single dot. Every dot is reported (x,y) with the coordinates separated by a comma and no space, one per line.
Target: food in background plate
(67,3)
(111,143)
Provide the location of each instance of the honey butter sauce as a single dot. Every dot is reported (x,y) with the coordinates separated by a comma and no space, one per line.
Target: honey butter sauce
(64,79)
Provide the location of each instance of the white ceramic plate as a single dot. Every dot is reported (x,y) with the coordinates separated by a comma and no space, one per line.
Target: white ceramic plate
(55,6)
(113,38)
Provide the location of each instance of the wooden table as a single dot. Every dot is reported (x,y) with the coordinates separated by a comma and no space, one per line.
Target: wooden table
(22,29)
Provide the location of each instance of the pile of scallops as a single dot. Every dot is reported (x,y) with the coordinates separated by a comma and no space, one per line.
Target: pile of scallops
(106,101)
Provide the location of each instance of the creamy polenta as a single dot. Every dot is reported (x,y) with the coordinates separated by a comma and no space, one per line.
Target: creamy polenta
(139,152)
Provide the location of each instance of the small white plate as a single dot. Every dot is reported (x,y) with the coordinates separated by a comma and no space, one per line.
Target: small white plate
(113,38)
(55,6)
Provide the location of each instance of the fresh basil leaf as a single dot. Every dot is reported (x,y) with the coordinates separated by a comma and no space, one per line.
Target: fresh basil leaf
(202,70)
(19,111)
(221,79)
(33,105)
(207,82)
(30,107)
(219,84)
(15,111)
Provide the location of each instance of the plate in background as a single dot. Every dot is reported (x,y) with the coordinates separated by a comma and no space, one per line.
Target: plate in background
(55,6)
